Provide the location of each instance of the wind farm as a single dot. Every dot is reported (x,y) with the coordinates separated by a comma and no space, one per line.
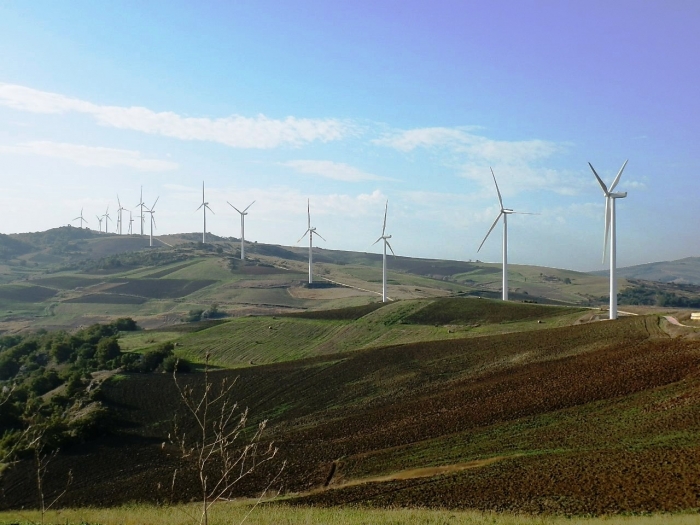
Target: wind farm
(186,356)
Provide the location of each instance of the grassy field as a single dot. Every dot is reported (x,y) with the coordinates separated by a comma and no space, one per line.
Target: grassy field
(259,340)
(279,514)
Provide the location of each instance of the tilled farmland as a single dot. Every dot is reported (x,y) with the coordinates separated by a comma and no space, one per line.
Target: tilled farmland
(587,419)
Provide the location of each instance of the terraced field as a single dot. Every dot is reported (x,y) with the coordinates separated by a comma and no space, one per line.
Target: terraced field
(586,419)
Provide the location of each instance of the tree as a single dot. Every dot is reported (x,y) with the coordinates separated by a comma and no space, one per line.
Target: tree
(107,349)
(215,450)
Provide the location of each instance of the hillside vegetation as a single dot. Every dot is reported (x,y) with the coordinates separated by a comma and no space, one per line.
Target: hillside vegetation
(586,419)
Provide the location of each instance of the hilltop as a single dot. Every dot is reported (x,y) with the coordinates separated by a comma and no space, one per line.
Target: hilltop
(681,271)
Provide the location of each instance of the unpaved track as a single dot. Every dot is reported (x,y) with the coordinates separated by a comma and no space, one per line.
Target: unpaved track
(425,472)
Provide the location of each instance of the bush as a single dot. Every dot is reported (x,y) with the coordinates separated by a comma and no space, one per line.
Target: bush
(107,350)
(171,362)
(152,359)
(125,324)
(193,316)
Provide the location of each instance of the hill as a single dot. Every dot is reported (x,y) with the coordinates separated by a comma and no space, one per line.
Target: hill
(681,271)
(578,419)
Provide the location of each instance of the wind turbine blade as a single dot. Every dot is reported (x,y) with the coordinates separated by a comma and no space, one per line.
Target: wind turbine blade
(207,206)
(500,200)
(153,218)
(232,206)
(199,207)
(608,211)
(490,230)
(154,204)
(320,235)
(389,245)
(202,191)
(300,238)
(525,213)
(375,242)
(308,211)
(249,205)
(386,208)
(619,174)
(118,201)
(600,181)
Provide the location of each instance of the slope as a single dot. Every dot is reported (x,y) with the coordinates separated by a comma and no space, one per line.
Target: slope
(595,418)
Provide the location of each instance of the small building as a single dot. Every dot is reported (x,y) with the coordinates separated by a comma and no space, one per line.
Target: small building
(695,316)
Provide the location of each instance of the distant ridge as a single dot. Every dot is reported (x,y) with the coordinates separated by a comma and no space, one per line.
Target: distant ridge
(681,271)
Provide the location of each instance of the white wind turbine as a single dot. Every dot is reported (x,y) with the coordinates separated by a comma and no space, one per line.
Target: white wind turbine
(80,218)
(204,207)
(107,218)
(243,214)
(610,198)
(120,217)
(152,210)
(311,231)
(503,213)
(99,219)
(141,205)
(131,224)
(385,238)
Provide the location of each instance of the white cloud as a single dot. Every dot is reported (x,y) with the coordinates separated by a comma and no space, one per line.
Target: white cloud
(236,131)
(331,170)
(476,147)
(91,156)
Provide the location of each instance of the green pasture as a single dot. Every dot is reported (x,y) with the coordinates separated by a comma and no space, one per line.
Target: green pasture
(259,340)
(271,513)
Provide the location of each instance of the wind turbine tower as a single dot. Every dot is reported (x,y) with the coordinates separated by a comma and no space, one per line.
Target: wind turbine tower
(243,214)
(152,210)
(141,205)
(204,207)
(120,217)
(385,238)
(107,218)
(310,230)
(610,199)
(80,218)
(503,213)
(131,224)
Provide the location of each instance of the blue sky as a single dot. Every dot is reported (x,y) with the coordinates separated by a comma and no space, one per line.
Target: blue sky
(352,103)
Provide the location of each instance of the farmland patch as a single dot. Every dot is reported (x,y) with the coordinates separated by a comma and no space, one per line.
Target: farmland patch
(25,294)
(107,298)
(161,288)
(470,310)
(341,314)
(66,282)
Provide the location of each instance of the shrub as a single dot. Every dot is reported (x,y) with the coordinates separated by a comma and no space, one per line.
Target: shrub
(107,350)
(125,324)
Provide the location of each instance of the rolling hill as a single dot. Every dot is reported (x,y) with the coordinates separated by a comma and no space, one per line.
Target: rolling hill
(592,418)
(681,271)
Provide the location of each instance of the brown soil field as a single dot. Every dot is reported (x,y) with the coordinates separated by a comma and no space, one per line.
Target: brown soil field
(161,288)
(586,419)
(25,294)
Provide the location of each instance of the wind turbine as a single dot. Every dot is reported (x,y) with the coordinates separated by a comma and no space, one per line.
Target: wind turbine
(610,198)
(80,218)
(385,238)
(503,213)
(131,224)
(120,217)
(141,205)
(107,218)
(243,214)
(99,219)
(310,230)
(204,207)
(152,210)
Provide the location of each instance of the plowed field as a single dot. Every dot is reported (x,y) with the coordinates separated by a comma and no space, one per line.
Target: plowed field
(597,418)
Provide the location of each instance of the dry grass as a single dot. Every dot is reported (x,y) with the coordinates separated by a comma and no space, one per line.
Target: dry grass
(233,513)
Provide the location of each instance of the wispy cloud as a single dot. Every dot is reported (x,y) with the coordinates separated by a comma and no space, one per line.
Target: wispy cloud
(517,163)
(91,156)
(474,146)
(236,131)
(331,170)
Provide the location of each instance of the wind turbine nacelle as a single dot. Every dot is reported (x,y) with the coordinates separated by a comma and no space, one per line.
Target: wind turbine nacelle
(618,195)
